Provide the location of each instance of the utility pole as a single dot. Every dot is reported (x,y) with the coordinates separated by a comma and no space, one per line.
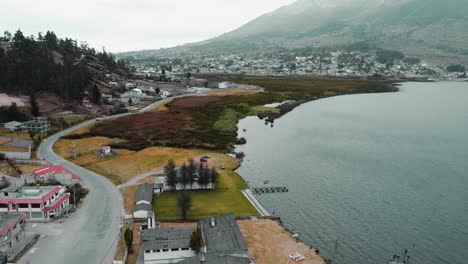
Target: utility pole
(74,195)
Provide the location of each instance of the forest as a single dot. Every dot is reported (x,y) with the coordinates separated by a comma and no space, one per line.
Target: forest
(46,63)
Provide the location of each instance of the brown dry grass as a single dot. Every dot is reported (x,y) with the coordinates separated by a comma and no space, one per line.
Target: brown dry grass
(149,159)
(25,168)
(12,149)
(234,92)
(268,242)
(6,133)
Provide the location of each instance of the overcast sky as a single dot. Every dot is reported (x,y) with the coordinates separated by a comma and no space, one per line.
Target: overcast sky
(122,25)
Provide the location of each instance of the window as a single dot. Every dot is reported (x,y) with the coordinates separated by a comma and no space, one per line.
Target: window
(23,205)
(185,248)
(147,251)
(165,250)
(36,205)
(5,193)
(3,205)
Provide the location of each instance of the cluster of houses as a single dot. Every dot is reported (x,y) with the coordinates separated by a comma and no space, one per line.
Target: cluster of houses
(31,199)
(221,242)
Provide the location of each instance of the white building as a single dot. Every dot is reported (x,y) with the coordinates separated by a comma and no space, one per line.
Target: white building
(42,203)
(167,245)
(143,208)
(227,85)
(13,125)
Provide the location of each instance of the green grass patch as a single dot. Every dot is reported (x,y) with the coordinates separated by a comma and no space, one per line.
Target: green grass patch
(226,198)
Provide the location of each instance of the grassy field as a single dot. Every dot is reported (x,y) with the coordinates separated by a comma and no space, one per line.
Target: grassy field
(226,198)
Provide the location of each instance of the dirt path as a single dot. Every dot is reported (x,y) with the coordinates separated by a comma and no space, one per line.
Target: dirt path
(136,179)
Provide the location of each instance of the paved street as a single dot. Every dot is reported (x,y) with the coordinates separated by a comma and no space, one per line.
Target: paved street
(90,234)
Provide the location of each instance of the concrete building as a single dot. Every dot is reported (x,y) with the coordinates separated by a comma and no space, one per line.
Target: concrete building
(12,233)
(143,208)
(221,240)
(166,245)
(52,173)
(13,125)
(42,203)
(37,125)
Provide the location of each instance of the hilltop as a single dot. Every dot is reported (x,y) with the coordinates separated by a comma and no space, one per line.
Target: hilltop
(432,30)
(48,64)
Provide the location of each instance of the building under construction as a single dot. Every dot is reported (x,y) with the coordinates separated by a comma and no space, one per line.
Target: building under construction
(38,125)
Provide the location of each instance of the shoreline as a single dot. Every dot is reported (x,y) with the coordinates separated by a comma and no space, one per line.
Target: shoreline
(251,196)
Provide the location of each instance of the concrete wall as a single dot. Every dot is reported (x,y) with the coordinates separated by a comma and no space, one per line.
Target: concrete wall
(17,155)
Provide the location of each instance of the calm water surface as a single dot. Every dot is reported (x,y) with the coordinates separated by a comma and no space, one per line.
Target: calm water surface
(378,173)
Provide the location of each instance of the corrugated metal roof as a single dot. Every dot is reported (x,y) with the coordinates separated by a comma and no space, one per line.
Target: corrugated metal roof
(224,236)
(166,238)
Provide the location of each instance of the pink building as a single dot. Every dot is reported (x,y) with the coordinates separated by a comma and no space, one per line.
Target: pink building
(58,173)
(42,203)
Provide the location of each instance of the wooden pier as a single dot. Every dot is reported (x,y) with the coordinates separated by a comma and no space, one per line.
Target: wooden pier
(263,190)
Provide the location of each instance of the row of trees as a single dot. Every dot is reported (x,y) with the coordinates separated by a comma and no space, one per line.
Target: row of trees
(47,63)
(189,174)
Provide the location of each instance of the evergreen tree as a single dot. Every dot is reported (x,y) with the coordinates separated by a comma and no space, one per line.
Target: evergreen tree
(192,170)
(171,174)
(34,107)
(184,203)
(214,176)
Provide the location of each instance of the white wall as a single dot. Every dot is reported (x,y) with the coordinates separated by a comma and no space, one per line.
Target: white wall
(167,257)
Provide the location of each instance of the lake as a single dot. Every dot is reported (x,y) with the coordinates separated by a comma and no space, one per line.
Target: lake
(370,175)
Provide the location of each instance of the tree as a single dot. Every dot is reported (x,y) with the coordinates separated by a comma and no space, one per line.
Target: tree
(196,241)
(130,101)
(128,237)
(192,170)
(189,75)
(96,95)
(184,170)
(214,176)
(34,107)
(456,68)
(203,176)
(171,174)
(184,203)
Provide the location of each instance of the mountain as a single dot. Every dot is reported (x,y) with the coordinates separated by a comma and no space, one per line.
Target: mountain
(434,30)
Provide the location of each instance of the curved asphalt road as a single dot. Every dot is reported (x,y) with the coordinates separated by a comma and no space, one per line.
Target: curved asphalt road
(90,234)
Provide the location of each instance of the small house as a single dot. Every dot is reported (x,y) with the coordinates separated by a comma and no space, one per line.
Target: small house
(106,150)
(143,208)
(13,125)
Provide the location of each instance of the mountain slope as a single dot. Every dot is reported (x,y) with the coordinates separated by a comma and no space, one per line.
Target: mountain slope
(432,29)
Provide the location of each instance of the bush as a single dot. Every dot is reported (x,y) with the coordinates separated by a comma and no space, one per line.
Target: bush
(241,141)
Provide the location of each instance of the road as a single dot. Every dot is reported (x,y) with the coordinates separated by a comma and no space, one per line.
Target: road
(90,234)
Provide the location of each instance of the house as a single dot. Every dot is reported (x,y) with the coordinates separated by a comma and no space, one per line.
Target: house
(13,125)
(221,236)
(38,125)
(226,85)
(221,240)
(166,245)
(55,173)
(12,233)
(106,150)
(159,185)
(143,208)
(41,203)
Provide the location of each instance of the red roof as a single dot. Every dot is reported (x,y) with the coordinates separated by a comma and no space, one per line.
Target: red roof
(42,171)
(38,200)
(12,225)
(57,203)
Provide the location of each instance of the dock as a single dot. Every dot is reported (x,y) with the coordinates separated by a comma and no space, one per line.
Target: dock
(253,200)
(263,190)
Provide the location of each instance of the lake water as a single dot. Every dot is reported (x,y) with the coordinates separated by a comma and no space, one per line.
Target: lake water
(378,173)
